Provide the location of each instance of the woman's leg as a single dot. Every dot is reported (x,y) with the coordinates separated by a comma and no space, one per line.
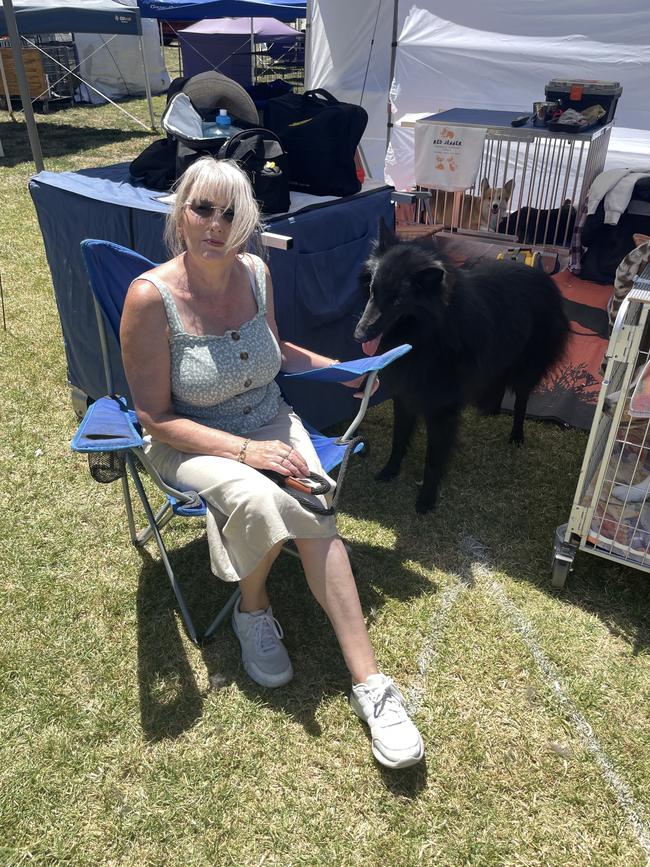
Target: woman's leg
(264,656)
(330,578)
(253,586)
(396,742)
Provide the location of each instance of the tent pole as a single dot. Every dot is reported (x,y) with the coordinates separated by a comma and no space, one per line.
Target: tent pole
(5,87)
(252,51)
(32,130)
(147,83)
(393,52)
(309,12)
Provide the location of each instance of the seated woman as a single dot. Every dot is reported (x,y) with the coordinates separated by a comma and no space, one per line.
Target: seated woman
(201,352)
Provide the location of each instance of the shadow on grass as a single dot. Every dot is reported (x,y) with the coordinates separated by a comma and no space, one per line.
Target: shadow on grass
(511,500)
(170,699)
(59,140)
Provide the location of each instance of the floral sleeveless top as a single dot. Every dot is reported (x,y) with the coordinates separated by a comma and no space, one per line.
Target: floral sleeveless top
(225,381)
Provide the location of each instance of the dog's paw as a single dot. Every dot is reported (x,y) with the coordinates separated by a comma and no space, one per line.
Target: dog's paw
(389,472)
(516,440)
(425,503)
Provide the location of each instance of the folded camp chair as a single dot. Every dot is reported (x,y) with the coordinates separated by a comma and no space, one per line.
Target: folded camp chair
(111,436)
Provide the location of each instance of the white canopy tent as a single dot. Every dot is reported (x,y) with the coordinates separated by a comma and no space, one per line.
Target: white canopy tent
(112,65)
(399,58)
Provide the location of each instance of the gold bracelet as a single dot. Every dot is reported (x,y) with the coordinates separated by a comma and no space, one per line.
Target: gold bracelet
(242,451)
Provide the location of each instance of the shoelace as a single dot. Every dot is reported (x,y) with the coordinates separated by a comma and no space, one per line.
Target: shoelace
(389,703)
(267,632)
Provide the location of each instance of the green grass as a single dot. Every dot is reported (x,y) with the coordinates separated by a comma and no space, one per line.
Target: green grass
(123,744)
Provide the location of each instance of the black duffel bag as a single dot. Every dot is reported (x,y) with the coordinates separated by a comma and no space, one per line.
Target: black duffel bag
(321,136)
(259,153)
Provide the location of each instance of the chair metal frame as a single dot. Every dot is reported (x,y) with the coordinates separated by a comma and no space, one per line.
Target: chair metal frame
(109,426)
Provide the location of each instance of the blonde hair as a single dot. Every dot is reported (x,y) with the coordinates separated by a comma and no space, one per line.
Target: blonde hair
(222,181)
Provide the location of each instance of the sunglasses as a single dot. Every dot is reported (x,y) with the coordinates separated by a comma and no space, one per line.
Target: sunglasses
(204,211)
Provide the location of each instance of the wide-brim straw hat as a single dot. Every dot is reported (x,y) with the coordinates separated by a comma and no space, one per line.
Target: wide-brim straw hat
(211,90)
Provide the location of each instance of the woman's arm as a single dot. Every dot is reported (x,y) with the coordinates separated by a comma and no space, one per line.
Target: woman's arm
(144,335)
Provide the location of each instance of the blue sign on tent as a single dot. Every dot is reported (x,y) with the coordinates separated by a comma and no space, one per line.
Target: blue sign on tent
(73,16)
(194,10)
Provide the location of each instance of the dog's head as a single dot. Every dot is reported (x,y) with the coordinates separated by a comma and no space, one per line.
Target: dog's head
(402,280)
(494,202)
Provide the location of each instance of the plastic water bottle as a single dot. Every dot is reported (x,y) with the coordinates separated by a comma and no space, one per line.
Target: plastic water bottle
(223,122)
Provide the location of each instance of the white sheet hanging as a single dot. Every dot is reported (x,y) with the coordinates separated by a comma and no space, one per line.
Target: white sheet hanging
(473,54)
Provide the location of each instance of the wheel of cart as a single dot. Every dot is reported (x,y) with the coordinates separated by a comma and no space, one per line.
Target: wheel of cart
(562,561)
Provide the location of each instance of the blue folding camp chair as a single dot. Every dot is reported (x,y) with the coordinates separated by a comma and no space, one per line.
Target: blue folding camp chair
(111,436)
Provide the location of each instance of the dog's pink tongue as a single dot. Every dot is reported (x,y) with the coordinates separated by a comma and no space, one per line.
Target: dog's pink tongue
(370,346)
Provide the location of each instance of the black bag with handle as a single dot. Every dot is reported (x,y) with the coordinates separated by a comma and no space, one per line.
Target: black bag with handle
(321,136)
(260,154)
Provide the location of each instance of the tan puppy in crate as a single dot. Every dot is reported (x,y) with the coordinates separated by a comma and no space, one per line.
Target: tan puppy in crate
(476,212)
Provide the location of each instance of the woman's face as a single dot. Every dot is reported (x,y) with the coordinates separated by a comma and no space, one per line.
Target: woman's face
(205,226)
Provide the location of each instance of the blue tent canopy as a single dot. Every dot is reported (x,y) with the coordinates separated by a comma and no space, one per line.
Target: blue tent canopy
(194,10)
(73,16)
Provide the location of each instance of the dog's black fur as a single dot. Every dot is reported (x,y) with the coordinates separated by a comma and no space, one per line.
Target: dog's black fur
(541,226)
(474,333)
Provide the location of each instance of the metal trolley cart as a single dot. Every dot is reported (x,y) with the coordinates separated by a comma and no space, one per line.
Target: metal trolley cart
(610,516)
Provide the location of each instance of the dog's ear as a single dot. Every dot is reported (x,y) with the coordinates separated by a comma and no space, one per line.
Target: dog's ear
(386,237)
(433,287)
(507,189)
(485,186)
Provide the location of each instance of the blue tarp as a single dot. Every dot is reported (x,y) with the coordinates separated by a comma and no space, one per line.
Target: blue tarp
(195,10)
(73,16)
(317,297)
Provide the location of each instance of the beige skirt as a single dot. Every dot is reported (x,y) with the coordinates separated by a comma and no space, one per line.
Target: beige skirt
(247,513)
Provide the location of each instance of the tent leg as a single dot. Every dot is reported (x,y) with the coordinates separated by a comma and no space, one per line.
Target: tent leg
(307,78)
(5,88)
(393,52)
(147,83)
(252,51)
(14,38)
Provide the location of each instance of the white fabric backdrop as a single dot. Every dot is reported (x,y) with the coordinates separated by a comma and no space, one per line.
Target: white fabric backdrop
(474,54)
(114,65)
(342,49)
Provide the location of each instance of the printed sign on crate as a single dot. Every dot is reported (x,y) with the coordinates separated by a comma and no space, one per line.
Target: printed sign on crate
(447,157)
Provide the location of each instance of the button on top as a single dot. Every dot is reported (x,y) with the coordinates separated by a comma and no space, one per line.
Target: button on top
(247,383)
(246,410)
(235,335)
(243,356)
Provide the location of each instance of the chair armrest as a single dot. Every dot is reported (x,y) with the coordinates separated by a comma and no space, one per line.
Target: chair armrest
(107,426)
(344,371)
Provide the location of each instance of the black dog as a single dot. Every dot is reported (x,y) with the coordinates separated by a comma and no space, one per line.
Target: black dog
(541,225)
(474,334)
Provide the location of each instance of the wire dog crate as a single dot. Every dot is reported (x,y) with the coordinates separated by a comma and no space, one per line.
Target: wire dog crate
(610,516)
(537,180)
(49,70)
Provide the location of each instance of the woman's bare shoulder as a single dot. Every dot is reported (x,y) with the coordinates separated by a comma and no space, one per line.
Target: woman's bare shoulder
(144,292)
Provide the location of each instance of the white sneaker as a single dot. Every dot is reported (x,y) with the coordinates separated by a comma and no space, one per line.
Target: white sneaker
(264,656)
(396,742)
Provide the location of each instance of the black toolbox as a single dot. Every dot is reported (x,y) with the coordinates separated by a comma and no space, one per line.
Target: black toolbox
(579,94)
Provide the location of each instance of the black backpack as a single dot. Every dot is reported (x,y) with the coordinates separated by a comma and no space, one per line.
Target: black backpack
(321,136)
(259,153)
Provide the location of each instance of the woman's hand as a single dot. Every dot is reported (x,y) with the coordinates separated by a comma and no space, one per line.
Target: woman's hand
(277,456)
(359,382)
